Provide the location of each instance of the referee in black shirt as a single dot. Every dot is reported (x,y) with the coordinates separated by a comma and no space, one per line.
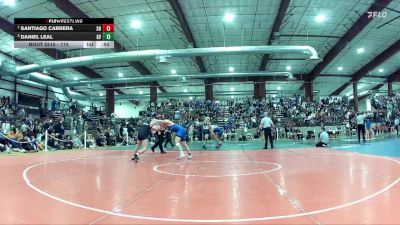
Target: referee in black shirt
(267,125)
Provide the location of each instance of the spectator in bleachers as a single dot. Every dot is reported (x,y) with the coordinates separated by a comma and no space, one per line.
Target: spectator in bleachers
(68,143)
(231,114)
(55,104)
(77,141)
(101,140)
(43,108)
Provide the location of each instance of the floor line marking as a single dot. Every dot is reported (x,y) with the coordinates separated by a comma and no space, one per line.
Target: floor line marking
(389,186)
(130,201)
(295,203)
(278,167)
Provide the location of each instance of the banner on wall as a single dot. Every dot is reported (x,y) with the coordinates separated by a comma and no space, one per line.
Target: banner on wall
(28,100)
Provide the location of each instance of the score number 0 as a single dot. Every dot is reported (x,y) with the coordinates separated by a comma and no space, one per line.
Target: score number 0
(108,27)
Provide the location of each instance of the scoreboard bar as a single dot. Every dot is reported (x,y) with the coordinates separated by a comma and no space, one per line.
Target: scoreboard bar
(61,36)
(63,32)
(64,44)
(63,21)
(62,28)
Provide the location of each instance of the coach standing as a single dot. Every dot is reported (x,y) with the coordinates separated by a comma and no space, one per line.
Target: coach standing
(267,125)
(360,120)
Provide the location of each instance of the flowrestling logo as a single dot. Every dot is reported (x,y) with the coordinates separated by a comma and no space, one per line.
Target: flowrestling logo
(373,14)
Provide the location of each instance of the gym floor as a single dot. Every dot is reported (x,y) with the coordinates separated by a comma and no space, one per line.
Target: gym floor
(242,184)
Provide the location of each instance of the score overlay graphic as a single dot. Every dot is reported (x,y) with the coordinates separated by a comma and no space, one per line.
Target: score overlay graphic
(64,33)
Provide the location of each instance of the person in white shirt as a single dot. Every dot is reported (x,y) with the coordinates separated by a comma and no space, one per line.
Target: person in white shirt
(396,125)
(323,138)
(267,125)
(360,120)
(206,130)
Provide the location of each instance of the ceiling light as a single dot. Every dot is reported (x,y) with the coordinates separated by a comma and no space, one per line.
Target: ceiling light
(136,24)
(340,68)
(232,96)
(9,2)
(185,90)
(162,59)
(141,92)
(232,88)
(278,88)
(76,78)
(288,68)
(380,70)
(173,71)
(231,69)
(190,98)
(360,50)
(46,71)
(229,17)
(120,74)
(101,94)
(320,18)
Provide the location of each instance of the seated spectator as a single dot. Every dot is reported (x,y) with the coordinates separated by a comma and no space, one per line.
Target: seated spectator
(30,144)
(2,147)
(3,141)
(68,144)
(77,142)
(110,137)
(257,133)
(310,134)
(24,127)
(101,140)
(14,135)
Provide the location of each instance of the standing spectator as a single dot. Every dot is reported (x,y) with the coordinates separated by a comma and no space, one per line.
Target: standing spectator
(267,125)
(190,135)
(396,125)
(42,107)
(368,128)
(54,105)
(59,128)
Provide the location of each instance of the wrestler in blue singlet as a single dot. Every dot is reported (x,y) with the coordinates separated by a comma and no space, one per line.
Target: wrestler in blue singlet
(218,131)
(179,130)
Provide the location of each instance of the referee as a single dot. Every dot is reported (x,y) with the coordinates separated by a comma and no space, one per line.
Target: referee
(360,120)
(160,137)
(267,125)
